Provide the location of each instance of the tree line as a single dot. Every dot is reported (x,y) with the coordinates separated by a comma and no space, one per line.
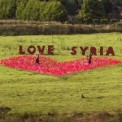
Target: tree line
(57,10)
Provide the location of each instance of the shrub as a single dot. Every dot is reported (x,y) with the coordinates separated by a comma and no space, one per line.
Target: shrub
(104,21)
(96,21)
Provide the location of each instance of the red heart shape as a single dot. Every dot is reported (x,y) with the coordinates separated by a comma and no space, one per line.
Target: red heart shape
(51,66)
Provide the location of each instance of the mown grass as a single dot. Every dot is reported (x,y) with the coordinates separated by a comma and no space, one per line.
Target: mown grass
(29,92)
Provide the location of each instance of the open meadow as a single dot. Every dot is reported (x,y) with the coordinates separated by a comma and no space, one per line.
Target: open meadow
(91,91)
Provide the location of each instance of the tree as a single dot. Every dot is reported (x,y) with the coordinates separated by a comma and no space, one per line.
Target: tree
(7,9)
(55,11)
(32,10)
(92,9)
(42,8)
(107,6)
(116,3)
(20,12)
(72,7)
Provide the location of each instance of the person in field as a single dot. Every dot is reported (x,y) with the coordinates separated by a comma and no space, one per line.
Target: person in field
(37,59)
(90,58)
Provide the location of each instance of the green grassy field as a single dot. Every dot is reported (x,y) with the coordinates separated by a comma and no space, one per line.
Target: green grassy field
(24,91)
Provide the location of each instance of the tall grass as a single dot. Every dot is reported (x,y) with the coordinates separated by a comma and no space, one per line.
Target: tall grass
(17,27)
(55,117)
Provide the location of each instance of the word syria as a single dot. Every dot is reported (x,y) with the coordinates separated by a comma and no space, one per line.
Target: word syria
(50,50)
(93,50)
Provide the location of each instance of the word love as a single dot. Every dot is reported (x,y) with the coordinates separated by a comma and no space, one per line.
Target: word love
(41,49)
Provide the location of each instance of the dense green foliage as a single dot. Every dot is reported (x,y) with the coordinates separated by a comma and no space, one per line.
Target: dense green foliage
(56,10)
(41,10)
